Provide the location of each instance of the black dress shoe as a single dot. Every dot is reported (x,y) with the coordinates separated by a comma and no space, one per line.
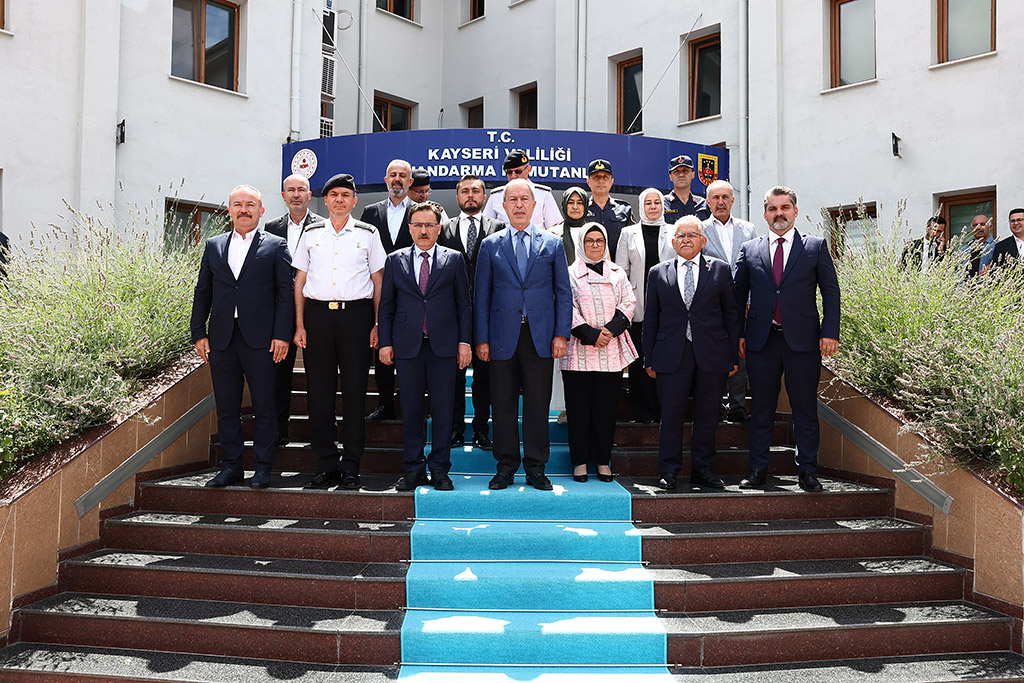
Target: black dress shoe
(260,480)
(441,482)
(739,414)
(458,438)
(539,481)
(501,480)
(481,441)
(705,478)
(667,482)
(756,479)
(283,441)
(382,412)
(323,480)
(350,480)
(226,478)
(411,480)
(580,477)
(605,477)
(809,482)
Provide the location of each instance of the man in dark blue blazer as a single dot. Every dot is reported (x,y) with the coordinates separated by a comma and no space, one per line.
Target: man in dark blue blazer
(245,291)
(691,337)
(783,272)
(522,312)
(1008,250)
(425,331)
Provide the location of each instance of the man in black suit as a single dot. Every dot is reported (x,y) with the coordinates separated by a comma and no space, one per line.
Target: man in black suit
(391,218)
(1010,249)
(691,338)
(426,292)
(465,233)
(290,227)
(782,273)
(5,247)
(245,292)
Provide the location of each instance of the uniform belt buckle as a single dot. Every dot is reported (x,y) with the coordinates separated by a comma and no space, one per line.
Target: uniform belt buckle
(333,305)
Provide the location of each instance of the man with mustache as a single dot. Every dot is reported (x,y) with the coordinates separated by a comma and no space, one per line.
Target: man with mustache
(391,218)
(782,273)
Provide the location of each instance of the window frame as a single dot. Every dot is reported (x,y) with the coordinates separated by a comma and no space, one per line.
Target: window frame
(835,46)
(969,197)
(386,119)
(195,212)
(3,15)
(836,227)
(942,26)
(390,9)
(522,113)
(470,110)
(695,46)
(199,54)
(620,96)
(475,5)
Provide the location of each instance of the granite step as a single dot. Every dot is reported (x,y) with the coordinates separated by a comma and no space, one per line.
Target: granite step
(228,629)
(263,579)
(805,583)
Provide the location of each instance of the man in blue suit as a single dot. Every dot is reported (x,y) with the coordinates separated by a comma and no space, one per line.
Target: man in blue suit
(782,272)
(245,291)
(691,335)
(522,316)
(425,328)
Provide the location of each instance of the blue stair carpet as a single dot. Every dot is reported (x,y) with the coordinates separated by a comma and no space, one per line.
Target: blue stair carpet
(527,585)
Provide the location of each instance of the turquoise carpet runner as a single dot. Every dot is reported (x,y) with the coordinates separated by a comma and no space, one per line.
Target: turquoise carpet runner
(527,585)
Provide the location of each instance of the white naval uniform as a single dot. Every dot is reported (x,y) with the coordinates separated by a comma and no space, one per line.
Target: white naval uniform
(546,213)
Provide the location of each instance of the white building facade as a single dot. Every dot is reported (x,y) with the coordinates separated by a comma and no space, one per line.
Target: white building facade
(808,93)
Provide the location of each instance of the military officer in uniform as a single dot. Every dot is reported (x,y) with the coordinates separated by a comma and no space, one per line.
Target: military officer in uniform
(545,214)
(680,201)
(611,213)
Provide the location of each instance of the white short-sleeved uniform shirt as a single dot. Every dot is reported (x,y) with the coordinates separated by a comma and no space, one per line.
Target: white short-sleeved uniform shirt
(338,264)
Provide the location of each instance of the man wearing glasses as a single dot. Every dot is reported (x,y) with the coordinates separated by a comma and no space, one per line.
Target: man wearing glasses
(1011,248)
(425,331)
(691,337)
(545,213)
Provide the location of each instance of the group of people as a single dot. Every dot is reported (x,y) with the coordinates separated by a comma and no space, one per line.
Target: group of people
(687,298)
(976,255)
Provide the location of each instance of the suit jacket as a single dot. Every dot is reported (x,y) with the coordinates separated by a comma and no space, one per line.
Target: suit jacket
(376,214)
(742,231)
(445,305)
(808,269)
(486,226)
(262,293)
(1005,251)
(279,225)
(713,316)
(502,296)
(631,256)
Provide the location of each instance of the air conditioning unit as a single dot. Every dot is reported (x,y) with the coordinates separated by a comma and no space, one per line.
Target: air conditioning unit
(327,81)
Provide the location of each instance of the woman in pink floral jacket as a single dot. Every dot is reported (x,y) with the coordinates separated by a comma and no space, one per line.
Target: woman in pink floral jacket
(603,303)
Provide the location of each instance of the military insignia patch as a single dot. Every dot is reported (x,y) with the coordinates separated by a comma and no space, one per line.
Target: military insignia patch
(708,165)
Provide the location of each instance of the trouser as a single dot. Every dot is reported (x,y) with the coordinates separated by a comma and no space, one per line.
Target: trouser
(736,387)
(426,375)
(591,400)
(384,375)
(643,394)
(283,390)
(481,390)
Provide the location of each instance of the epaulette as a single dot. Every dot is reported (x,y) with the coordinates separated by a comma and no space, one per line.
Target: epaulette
(500,188)
(316,224)
(543,187)
(436,206)
(364,226)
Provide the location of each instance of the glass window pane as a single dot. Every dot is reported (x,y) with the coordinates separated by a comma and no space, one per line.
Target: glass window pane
(528,109)
(960,216)
(399,117)
(220,46)
(177,229)
(211,224)
(475,116)
(709,81)
(970,28)
(378,115)
(856,41)
(632,91)
(403,8)
(382,4)
(183,45)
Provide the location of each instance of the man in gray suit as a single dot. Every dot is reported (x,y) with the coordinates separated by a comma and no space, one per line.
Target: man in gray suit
(725,234)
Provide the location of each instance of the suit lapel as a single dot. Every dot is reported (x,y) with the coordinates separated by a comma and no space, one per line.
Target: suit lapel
(795,252)
(256,239)
(764,251)
(535,246)
(506,249)
(672,276)
(440,261)
(702,280)
(385,233)
(737,242)
(712,234)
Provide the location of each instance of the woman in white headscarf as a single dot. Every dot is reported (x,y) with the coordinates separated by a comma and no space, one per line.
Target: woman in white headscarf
(598,351)
(641,246)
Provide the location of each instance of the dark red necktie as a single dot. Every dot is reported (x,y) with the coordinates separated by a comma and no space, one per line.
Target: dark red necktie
(777,269)
(424,276)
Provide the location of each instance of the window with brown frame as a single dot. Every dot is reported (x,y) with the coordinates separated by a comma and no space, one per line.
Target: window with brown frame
(204,43)
(187,223)
(393,115)
(852,39)
(959,209)
(966,28)
(403,8)
(476,10)
(705,77)
(850,225)
(528,108)
(630,94)
(475,116)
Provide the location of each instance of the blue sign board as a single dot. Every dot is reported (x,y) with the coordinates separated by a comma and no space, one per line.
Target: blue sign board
(559,158)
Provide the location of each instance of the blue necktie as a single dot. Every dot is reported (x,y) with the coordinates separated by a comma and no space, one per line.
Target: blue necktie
(521,253)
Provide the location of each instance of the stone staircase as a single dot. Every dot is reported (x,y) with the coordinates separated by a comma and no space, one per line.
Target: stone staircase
(232,584)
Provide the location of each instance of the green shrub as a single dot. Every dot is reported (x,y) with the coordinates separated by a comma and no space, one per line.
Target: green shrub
(945,350)
(84,325)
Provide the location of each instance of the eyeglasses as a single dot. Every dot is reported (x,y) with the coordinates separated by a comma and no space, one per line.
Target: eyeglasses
(419,226)
(593,243)
(516,171)
(688,235)
(1017,220)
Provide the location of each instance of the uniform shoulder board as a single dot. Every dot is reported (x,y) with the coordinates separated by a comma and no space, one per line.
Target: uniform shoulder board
(500,188)
(364,226)
(436,206)
(316,224)
(542,187)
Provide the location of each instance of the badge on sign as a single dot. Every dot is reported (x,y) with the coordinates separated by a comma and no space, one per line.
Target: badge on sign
(708,165)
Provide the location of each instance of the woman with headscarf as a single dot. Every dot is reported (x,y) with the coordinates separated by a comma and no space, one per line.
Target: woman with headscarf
(641,246)
(574,210)
(598,351)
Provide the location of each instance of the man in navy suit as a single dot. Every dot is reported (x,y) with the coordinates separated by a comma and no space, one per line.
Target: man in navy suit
(290,227)
(691,337)
(391,218)
(782,272)
(1009,250)
(425,331)
(522,316)
(245,291)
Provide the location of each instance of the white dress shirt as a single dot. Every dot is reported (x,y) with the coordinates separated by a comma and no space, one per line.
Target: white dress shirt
(1020,247)
(395,215)
(238,249)
(338,263)
(724,231)
(463,228)
(787,246)
(294,231)
(680,261)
